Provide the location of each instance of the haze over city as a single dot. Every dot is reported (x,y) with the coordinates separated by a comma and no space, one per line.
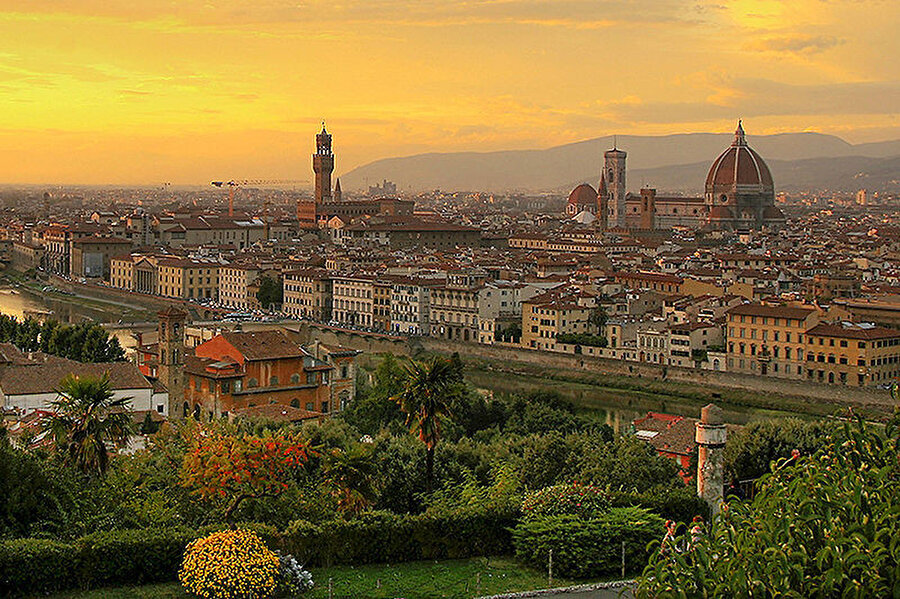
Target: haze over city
(143,92)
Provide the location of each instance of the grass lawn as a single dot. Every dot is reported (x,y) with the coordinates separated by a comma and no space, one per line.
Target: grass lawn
(453,579)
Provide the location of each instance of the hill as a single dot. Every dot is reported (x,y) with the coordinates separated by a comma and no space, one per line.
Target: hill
(670,161)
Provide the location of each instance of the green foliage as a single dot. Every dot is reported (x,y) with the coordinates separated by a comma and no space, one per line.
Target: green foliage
(584,501)
(582,339)
(84,342)
(271,292)
(34,496)
(86,417)
(825,525)
(36,565)
(750,452)
(378,537)
(132,556)
(592,547)
(680,504)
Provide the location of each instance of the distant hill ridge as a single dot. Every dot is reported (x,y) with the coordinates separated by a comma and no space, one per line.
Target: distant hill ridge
(669,163)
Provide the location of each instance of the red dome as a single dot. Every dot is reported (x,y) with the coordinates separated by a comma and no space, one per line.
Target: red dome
(739,165)
(583,196)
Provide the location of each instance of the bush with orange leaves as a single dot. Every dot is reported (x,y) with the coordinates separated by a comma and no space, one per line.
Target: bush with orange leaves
(232,564)
(237,467)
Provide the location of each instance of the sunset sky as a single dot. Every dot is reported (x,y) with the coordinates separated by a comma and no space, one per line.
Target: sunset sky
(140,91)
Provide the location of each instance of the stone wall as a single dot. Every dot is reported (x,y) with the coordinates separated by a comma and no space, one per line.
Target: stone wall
(708,378)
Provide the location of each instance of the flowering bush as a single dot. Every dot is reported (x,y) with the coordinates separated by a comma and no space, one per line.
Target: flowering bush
(293,579)
(232,564)
(585,501)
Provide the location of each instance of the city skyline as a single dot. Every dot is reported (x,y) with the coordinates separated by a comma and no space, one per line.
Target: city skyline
(131,93)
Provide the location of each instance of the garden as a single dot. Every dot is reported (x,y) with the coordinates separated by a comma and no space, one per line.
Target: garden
(423,478)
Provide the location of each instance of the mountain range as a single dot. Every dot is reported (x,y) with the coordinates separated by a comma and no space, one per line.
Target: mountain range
(671,163)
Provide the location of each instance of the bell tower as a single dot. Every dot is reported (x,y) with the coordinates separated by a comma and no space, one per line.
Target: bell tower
(614,169)
(323,165)
(171,358)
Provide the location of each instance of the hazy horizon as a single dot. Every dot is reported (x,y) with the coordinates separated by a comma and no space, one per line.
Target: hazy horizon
(137,92)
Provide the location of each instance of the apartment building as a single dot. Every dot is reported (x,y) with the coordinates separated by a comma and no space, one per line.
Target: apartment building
(689,342)
(848,353)
(188,278)
(556,312)
(381,305)
(353,299)
(768,340)
(308,294)
(410,304)
(237,286)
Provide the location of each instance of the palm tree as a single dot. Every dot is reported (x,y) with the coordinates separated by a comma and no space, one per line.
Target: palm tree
(426,398)
(86,417)
(352,475)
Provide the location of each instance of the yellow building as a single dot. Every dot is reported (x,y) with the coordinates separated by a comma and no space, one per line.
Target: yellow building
(187,278)
(852,354)
(236,286)
(768,340)
(556,312)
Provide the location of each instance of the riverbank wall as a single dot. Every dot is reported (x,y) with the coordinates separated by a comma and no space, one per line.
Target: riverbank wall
(587,365)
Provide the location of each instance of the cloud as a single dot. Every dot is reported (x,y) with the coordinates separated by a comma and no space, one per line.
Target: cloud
(763,97)
(799,44)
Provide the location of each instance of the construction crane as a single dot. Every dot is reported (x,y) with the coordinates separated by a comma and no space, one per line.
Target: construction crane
(247,182)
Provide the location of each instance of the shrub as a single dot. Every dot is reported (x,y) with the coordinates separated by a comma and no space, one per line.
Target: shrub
(133,556)
(584,501)
(672,503)
(293,578)
(232,564)
(384,537)
(585,548)
(36,565)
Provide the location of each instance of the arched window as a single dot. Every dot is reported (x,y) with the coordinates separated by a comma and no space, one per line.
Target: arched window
(295,378)
(252,383)
(273,380)
(295,403)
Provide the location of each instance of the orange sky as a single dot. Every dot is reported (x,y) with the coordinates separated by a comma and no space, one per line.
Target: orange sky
(139,91)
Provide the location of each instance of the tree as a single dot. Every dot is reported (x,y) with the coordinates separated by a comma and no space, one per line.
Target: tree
(824,525)
(598,318)
(750,452)
(237,467)
(271,291)
(86,418)
(351,474)
(426,399)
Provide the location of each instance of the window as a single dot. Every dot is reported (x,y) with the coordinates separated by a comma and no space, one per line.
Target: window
(310,378)
(295,403)
(226,386)
(252,382)
(273,380)
(295,378)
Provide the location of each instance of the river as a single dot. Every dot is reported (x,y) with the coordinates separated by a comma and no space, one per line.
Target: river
(616,407)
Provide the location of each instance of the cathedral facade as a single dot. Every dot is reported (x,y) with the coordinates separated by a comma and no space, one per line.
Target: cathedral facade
(739,194)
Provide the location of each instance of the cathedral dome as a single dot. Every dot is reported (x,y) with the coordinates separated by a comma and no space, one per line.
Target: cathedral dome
(583,197)
(739,166)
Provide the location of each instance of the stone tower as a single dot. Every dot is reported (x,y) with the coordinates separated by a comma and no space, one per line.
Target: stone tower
(171,358)
(338,196)
(614,169)
(710,437)
(323,165)
(603,203)
(648,209)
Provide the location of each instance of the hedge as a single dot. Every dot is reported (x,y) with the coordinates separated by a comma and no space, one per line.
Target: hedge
(386,537)
(155,554)
(36,565)
(132,556)
(585,548)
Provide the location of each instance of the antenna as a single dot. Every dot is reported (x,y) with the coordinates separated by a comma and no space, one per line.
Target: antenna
(615,142)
